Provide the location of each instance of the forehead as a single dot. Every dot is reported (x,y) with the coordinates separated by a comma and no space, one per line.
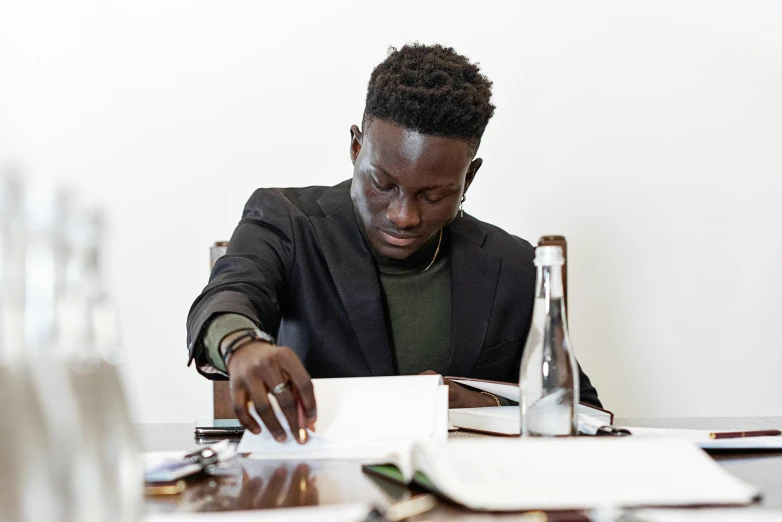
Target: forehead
(392,146)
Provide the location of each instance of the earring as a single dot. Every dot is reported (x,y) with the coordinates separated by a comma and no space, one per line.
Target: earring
(461,205)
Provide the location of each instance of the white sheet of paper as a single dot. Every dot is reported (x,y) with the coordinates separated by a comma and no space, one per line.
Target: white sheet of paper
(703,440)
(708,515)
(370,419)
(577,473)
(156,458)
(338,513)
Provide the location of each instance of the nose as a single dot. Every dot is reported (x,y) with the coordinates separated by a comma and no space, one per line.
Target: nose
(404,212)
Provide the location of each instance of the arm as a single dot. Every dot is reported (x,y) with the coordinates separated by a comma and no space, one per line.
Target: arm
(250,279)
(247,288)
(587,393)
(218,329)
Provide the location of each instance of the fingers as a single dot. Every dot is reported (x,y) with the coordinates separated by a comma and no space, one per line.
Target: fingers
(302,383)
(286,399)
(256,372)
(240,399)
(264,409)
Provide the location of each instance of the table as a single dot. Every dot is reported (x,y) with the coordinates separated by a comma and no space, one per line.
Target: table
(255,484)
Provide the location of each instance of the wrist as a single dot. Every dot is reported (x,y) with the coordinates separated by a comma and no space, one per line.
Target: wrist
(233,342)
(238,353)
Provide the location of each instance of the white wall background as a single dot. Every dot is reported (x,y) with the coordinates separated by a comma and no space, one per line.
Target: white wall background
(650,134)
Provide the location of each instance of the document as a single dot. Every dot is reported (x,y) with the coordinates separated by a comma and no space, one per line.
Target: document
(370,419)
(708,515)
(577,473)
(703,439)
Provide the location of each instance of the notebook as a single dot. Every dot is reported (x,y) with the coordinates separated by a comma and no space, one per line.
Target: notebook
(506,420)
(510,391)
(572,473)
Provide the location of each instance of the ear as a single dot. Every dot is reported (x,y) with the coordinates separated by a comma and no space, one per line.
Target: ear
(356,137)
(472,170)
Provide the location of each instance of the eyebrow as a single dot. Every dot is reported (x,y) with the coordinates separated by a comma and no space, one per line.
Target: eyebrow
(433,187)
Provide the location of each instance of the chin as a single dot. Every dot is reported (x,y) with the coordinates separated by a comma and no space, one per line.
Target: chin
(394,252)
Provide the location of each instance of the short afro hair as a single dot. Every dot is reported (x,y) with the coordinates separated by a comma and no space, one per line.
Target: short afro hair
(433,90)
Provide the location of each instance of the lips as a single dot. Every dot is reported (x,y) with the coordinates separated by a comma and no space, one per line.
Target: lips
(399,241)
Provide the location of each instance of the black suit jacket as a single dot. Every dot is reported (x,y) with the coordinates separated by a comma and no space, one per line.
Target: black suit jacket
(299,267)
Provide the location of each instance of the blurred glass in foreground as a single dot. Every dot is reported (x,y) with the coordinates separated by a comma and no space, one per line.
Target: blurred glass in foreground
(68,451)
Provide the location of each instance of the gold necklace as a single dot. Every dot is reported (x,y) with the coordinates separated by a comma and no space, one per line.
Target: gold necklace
(440,240)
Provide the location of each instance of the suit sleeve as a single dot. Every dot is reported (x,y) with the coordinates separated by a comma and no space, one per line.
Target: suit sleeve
(251,278)
(587,392)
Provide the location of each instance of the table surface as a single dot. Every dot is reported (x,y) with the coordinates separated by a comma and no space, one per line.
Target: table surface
(256,484)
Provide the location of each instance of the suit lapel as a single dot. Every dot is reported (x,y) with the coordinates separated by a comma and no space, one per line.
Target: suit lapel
(353,271)
(474,276)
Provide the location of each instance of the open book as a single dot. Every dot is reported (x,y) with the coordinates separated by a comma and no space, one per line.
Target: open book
(571,473)
(505,420)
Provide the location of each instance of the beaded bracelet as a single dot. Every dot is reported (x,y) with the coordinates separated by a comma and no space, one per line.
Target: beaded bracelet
(249,336)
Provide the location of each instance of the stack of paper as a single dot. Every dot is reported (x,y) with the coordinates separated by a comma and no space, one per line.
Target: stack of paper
(370,419)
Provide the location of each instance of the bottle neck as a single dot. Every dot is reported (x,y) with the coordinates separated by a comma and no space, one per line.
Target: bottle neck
(549,283)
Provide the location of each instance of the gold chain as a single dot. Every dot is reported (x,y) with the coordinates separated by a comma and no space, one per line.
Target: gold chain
(440,240)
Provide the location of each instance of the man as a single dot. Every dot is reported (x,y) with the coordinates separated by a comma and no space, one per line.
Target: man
(382,274)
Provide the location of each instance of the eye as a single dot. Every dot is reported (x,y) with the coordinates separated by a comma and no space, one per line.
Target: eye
(432,199)
(378,185)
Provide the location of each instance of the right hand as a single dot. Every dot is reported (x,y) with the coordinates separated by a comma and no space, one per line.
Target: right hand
(254,370)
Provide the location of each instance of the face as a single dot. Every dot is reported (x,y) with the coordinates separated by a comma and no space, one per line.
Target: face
(407,185)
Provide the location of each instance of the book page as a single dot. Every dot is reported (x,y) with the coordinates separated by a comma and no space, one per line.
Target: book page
(577,473)
(371,419)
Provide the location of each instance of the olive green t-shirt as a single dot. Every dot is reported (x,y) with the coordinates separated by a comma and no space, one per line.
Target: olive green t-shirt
(417,304)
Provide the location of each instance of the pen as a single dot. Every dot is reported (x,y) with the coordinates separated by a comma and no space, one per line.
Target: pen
(739,434)
(303,436)
(164,488)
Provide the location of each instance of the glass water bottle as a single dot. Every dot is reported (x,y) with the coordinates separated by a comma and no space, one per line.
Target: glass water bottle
(548,381)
